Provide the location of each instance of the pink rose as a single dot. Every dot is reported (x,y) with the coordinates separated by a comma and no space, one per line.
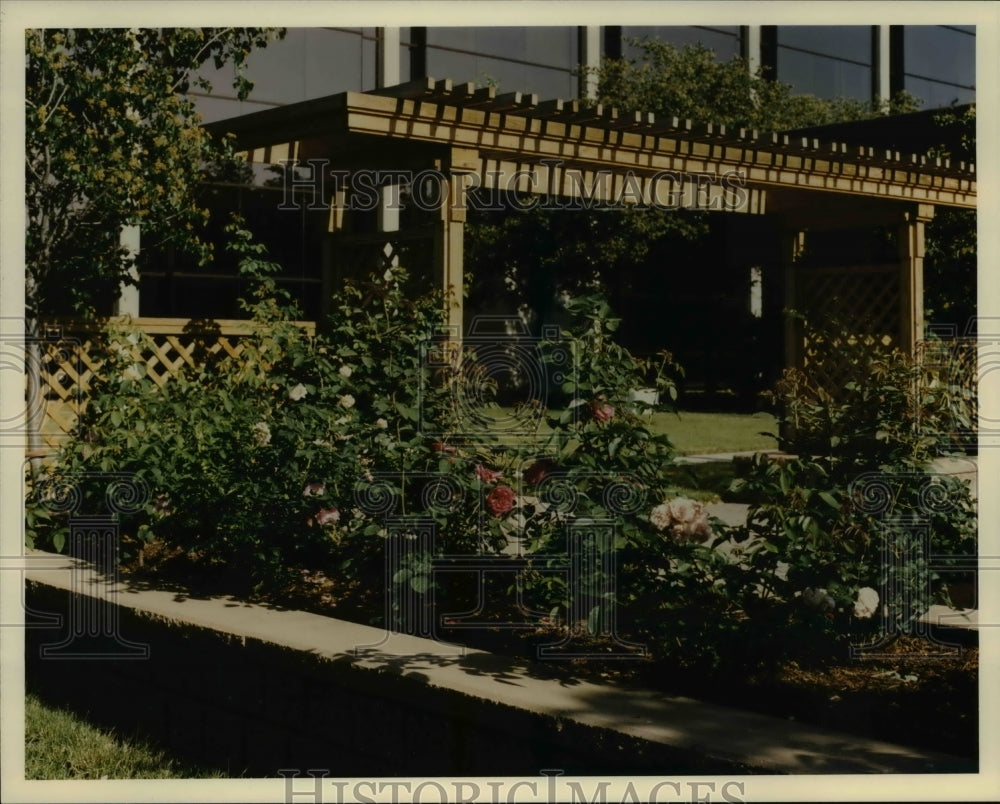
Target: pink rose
(684,510)
(699,527)
(314,490)
(327,516)
(601,410)
(501,500)
(487,475)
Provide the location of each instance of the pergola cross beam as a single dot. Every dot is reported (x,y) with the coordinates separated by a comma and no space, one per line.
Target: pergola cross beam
(475,136)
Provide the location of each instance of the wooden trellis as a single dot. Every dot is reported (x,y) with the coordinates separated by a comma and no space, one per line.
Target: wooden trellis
(74,356)
(846,309)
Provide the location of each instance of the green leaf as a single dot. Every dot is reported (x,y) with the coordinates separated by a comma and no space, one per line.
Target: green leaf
(59,541)
(420,583)
(594,621)
(830,500)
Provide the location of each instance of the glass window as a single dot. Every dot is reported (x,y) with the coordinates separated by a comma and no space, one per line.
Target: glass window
(827,61)
(940,53)
(935,94)
(172,284)
(507,75)
(853,42)
(724,40)
(547,45)
(822,76)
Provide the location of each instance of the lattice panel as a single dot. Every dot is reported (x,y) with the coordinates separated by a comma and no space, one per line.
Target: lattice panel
(70,364)
(846,310)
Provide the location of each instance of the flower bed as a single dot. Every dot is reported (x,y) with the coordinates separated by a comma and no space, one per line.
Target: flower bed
(365,464)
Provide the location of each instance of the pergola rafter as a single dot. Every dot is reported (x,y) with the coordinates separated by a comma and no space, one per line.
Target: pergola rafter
(567,149)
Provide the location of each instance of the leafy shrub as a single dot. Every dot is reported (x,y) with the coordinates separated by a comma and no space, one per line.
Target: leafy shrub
(859,507)
(253,461)
(337,450)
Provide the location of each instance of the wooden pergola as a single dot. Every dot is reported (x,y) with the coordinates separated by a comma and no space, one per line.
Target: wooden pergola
(584,153)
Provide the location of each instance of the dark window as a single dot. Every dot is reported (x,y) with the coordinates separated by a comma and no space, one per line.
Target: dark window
(539,59)
(172,284)
(939,63)
(827,61)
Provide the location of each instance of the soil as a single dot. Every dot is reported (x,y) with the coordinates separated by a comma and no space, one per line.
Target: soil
(913,691)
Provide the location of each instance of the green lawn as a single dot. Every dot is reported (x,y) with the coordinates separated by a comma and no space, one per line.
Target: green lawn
(691,433)
(60,745)
(705,433)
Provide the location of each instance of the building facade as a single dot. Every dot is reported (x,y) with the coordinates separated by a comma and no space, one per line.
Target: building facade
(936,63)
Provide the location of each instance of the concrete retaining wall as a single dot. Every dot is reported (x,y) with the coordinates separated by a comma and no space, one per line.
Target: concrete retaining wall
(256,690)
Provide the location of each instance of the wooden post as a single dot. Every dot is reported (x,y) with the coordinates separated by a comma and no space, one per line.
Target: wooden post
(449,237)
(331,267)
(127,302)
(911,276)
(792,246)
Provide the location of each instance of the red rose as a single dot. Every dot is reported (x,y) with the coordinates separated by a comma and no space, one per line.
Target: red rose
(487,475)
(601,410)
(500,500)
(437,446)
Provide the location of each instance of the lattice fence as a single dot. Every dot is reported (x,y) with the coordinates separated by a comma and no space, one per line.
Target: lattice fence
(847,310)
(72,355)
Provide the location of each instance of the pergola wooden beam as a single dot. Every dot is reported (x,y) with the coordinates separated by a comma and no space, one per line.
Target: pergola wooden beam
(519,127)
(474,136)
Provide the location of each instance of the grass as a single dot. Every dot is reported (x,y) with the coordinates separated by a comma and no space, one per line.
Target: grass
(705,433)
(691,433)
(60,745)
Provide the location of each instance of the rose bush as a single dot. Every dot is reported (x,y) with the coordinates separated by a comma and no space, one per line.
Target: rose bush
(300,454)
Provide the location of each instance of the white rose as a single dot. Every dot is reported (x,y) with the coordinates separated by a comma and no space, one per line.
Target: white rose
(382,424)
(684,510)
(262,433)
(866,604)
(298,392)
(347,401)
(345,371)
(660,517)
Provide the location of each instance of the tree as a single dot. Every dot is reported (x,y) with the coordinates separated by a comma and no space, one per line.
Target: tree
(691,83)
(113,139)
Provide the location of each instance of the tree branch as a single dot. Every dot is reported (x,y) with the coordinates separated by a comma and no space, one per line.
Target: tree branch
(198,56)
